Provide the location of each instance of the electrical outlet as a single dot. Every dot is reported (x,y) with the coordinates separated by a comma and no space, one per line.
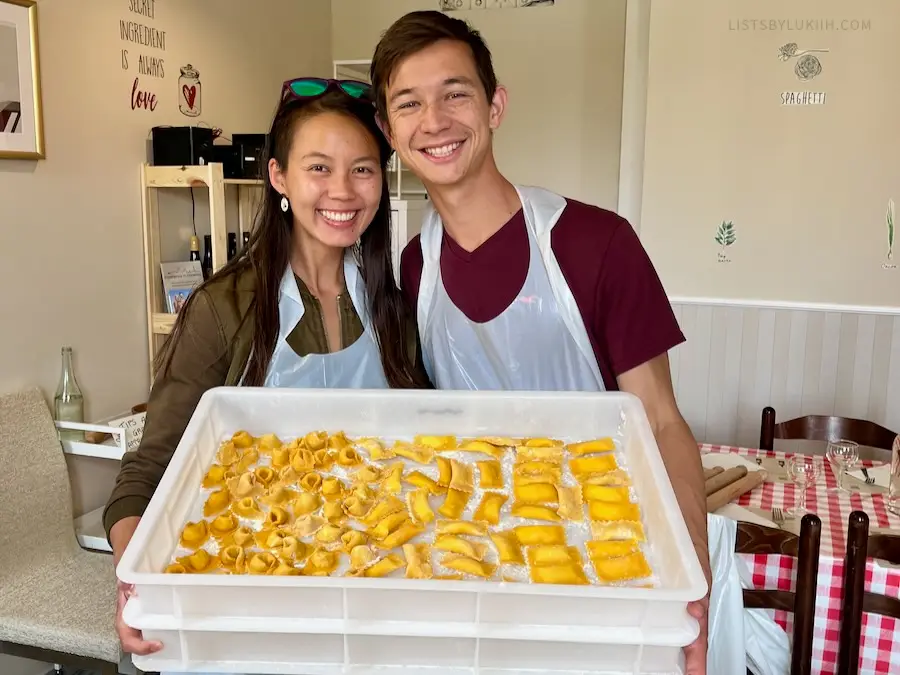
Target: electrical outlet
(455,5)
(501,4)
(479,4)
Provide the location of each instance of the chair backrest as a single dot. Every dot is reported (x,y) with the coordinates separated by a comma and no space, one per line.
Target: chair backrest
(860,546)
(757,539)
(825,428)
(35,497)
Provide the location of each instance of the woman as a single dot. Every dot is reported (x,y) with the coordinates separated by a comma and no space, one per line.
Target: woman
(310,302)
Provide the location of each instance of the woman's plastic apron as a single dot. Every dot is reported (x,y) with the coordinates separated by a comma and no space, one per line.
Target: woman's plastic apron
(356,367)
(538,343)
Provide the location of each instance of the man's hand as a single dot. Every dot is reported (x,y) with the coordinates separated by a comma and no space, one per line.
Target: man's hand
(652,383)
(132,640)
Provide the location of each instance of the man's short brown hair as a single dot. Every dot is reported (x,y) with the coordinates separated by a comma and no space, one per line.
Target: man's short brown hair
(415,31)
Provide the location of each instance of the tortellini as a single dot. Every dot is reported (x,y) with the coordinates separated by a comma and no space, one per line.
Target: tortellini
(435,506)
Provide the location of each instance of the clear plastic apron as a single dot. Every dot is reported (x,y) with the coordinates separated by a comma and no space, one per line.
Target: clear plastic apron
(538,343)
(356,367)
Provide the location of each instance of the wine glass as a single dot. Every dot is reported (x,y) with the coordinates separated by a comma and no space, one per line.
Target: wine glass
(844,454)
(803,471)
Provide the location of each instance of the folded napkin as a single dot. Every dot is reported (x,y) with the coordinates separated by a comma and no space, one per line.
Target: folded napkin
(881,474)
(739,513)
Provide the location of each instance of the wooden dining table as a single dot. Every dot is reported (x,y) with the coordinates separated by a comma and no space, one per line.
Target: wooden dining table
(880,641)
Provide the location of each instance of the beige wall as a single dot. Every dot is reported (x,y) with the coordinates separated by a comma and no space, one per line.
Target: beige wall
(71,225)
(563,68)
(806,186)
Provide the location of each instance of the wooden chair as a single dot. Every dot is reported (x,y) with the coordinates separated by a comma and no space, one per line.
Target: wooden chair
(857,600)
(756,539)
(823,428)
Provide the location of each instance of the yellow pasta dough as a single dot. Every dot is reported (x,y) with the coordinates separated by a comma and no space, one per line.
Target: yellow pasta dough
(490,474)
(332,488)
(611,548)
(483,447)
(588,447)
(613,511)
(194,535)
(436,442)
(553,554)
(606,493)
(489,508)
(534,512)
(323,495)
(468,565)
(583,466)
(534,535)
(559,574)
(385,566)
(420,480)
(217,502)
(537,493)
(605,531)
(223,525)
(456,544)
(454,504)
(461,476)
(466,527)
(622,568)
(199,562)
(214,477)
(508,546)
(419,508)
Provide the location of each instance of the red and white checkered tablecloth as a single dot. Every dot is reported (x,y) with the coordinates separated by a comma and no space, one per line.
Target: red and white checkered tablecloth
(880,646)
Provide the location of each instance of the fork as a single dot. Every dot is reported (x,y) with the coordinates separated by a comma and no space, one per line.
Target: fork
(778,516)
(869,479)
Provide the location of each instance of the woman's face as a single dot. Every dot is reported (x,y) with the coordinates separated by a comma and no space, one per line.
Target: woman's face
(332,179)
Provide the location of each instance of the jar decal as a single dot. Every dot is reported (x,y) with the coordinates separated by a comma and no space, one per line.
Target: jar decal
(189,91)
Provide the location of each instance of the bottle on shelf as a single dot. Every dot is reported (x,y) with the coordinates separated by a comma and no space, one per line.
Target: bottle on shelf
(195,248)
(232,245)
(69,401)
(207,256)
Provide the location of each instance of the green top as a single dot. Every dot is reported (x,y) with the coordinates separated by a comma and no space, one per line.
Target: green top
(213,351)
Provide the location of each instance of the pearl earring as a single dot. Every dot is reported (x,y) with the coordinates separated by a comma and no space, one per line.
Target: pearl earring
(285,204)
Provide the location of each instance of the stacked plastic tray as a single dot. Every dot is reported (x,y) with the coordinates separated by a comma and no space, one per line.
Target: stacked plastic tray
(330,625)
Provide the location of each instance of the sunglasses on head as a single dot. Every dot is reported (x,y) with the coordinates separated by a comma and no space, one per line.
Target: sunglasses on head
(308,88)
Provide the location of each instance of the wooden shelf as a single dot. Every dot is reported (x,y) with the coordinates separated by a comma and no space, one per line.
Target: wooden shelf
(245,181)
(162,323)
(90,532)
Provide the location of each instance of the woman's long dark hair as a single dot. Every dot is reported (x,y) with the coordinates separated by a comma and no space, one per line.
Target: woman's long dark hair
(268,254)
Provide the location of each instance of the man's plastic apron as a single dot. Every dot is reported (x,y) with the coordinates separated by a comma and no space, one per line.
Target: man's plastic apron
(356,367)
(539,342)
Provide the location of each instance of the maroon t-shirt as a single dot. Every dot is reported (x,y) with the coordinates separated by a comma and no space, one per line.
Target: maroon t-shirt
(626,312)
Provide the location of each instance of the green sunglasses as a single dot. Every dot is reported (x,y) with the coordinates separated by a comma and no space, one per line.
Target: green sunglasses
(313,87)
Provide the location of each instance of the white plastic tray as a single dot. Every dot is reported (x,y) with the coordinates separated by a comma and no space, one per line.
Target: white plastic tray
(258,624)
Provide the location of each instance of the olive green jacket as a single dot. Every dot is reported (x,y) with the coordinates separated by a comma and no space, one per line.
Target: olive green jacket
(212,351)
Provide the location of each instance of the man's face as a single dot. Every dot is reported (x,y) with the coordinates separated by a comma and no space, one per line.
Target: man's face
(439,117)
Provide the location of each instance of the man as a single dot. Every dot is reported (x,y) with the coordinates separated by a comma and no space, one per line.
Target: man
(519,288)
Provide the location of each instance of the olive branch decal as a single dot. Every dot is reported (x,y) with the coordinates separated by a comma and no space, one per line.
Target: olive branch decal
(890,228)
(725,235)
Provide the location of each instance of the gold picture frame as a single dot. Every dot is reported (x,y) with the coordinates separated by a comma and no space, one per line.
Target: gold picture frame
(21,109)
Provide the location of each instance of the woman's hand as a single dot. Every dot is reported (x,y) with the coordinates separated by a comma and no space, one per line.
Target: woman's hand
(132,640)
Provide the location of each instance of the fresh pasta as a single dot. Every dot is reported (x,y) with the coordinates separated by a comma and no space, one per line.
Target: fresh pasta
(491,508)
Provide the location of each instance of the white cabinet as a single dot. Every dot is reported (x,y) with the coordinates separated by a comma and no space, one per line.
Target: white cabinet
(406,223)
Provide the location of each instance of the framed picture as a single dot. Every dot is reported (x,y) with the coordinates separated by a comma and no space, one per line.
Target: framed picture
(21,117)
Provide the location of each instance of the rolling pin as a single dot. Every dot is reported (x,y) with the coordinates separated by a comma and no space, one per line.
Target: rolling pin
(709,473)
(726,477)
(732,491)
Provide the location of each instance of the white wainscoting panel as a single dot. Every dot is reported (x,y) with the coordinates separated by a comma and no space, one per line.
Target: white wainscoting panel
(737,360)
